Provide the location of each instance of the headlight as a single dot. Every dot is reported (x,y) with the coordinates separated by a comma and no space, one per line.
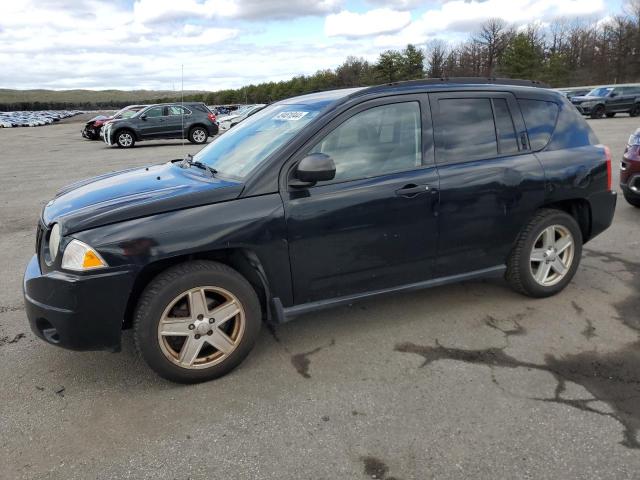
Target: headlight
(80,257)
(588,104)
(634,139)
(54,241)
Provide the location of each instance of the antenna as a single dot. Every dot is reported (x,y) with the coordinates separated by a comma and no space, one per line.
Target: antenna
(182,101)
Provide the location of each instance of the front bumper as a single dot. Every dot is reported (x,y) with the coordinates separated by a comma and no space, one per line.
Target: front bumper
(632,187)
(78,312)
(89,133)
(584,110)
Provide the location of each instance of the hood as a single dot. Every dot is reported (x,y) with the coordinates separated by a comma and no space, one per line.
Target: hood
(135,193)
(99,118)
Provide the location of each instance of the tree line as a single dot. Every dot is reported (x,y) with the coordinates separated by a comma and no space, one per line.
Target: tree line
(563,53)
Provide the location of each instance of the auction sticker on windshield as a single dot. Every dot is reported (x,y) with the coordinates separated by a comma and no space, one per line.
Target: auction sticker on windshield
(290,116)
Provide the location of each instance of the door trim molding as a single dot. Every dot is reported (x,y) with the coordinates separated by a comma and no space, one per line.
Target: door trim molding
(282,314)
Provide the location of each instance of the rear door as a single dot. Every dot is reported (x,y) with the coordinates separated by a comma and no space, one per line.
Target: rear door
(490,182)
(176,116)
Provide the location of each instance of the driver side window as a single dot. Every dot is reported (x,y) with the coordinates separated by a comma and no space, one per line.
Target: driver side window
(154,112)
(374,142)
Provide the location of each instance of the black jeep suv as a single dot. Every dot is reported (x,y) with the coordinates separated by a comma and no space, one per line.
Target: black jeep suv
(316,201)
(193,121)
(607,101)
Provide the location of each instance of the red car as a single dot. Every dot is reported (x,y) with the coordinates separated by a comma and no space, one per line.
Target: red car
(92,128)
(630,170)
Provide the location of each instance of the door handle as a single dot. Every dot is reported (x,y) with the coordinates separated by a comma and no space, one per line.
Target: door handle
(412,190)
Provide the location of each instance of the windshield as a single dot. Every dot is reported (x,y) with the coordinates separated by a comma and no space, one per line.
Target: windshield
(600,92)
(238,151)
(127,112)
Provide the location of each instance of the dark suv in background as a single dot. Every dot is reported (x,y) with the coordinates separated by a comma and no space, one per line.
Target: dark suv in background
(193,121)
(317,201)
(607,101)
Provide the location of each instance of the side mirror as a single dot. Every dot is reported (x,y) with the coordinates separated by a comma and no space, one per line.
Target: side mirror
(613,94)
(143,117)
(317,167)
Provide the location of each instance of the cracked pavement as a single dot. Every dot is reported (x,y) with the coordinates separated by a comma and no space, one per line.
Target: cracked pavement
(462,381)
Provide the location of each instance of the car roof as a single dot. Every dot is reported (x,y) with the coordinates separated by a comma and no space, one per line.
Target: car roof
(520,87)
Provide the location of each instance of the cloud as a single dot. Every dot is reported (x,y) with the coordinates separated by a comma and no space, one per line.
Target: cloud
(465,16)
(397,4)
(373,22)
(155,11)
(132,44)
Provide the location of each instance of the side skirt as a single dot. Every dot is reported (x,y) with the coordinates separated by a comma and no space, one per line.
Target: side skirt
(283,315)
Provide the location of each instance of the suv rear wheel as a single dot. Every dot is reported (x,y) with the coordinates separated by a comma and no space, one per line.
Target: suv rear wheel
(546,255)
(197,321)
(125,139)
(198,135)
(635,110)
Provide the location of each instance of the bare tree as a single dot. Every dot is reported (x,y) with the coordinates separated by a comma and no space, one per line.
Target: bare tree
(436,55)
(493,39)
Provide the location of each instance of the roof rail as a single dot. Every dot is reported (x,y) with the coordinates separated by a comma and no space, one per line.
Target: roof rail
(473,80)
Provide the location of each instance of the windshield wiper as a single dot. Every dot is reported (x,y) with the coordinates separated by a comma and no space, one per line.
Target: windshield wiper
(188,161)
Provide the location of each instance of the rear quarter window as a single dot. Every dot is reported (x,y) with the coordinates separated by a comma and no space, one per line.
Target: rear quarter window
(540,118)
(572,130)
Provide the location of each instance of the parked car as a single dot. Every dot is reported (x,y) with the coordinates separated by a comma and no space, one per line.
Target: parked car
(607,101)
(317,201)
(193,121)
(239,115)
(574,92)
(92,128)
(630,170)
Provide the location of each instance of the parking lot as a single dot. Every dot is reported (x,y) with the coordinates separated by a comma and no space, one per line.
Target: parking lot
(463,381)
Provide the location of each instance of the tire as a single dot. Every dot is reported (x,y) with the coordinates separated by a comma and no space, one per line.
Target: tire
(522,268)
(125,138)
(198,135)
(611,114)
(598,111)
(169,304)
(632,199)
(635,110)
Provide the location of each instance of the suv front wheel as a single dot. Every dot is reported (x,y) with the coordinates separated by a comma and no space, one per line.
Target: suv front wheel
(198,135)
(197,321)
(598,111)
(125,139)
(546,255)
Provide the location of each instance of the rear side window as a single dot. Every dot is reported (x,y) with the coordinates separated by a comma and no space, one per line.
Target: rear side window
(177,110)
(465,130)
(540,118)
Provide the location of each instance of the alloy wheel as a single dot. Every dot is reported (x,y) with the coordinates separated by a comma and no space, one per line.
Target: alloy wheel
(552,255)
(199,135)
(201,327)
(125,139)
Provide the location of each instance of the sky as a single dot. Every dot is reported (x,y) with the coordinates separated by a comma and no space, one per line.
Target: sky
(144,44)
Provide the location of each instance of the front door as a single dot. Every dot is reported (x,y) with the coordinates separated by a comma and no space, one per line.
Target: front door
(373,226)
(153,122)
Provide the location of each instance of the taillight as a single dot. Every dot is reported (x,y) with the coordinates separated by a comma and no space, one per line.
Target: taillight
(212,117)
(607,154)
